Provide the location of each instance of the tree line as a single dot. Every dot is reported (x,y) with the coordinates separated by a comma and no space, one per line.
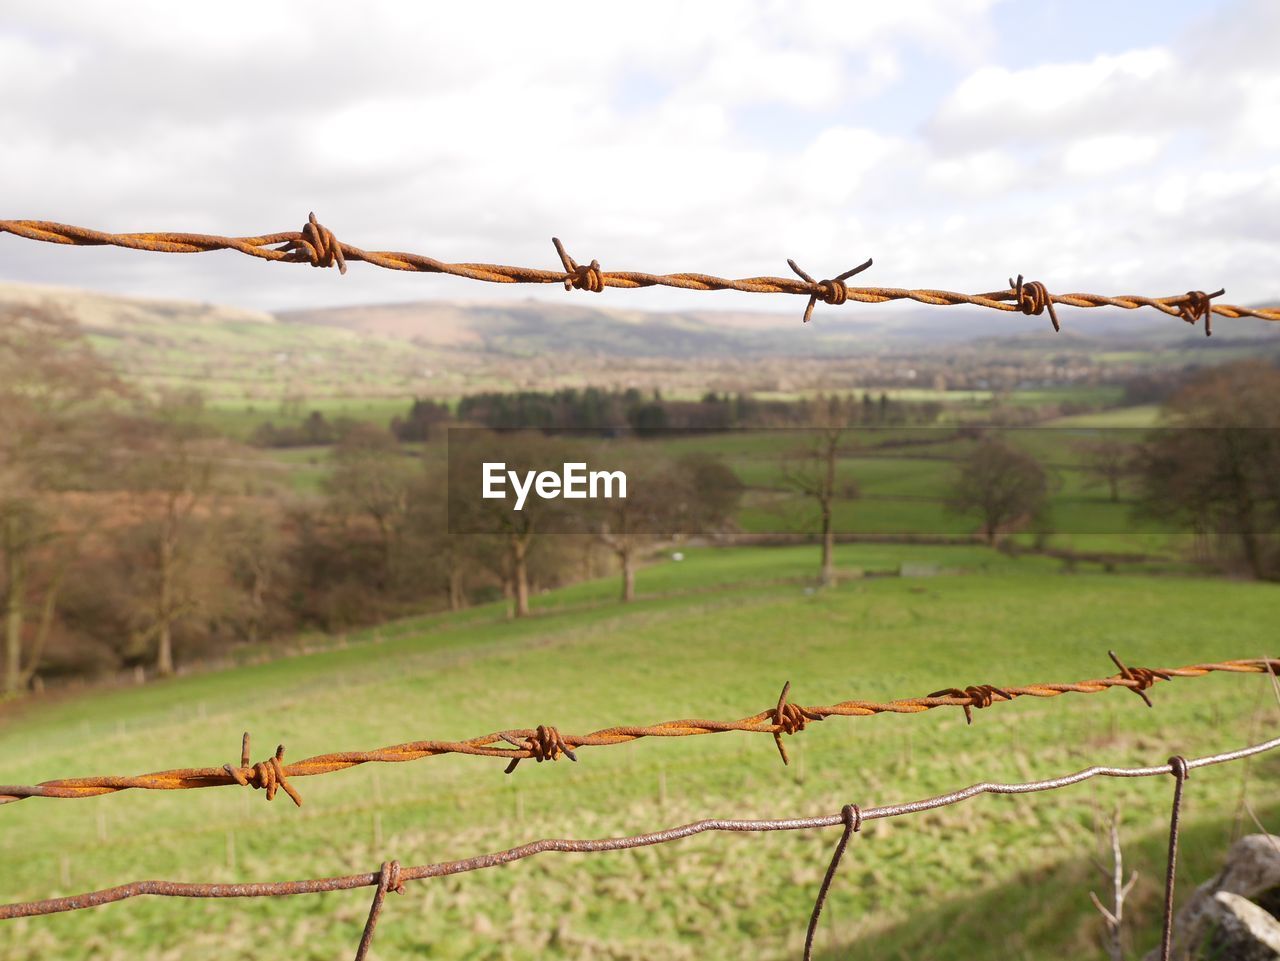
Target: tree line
(130,536)
(603,411)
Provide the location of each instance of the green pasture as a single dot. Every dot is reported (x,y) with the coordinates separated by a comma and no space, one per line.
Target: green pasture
(714,635)
(1143,415)
(902,478)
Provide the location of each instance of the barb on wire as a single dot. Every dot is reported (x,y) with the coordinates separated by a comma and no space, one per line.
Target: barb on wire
(833,291)
(546,743)
(392,877)
(1033,298)
(1143,677)
(577,277)
(1199,305)
(316,245)
(975,695)
(543,744)
(268,775)
(789,719)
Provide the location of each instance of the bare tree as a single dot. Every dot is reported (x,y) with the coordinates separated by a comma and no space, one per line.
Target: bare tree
(51,386)
(1215,465)
(253,549)
(372,478)
(24,531)
(1108,462)
(431,552)
(518,530)
(1002,485)
(811,471)
(666,498)
(170,470)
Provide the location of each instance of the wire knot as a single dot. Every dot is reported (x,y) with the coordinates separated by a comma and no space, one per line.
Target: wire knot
(831,291)
(1198,304)
(1178,767)
(977,695)
(851,814)
(544,743)
(1032,298)
(579,276)
(266,775)
(390,879)
(320,245)
(789,719)
(1142,677)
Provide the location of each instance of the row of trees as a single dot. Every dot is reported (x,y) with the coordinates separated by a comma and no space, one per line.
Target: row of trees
(597,409)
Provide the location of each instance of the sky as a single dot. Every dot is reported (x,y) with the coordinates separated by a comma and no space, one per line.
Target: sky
(1096,146)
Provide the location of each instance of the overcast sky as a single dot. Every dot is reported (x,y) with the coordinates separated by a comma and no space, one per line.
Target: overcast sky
(1117,147)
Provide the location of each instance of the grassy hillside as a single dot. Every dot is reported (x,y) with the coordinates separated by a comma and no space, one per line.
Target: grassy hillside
(712,636)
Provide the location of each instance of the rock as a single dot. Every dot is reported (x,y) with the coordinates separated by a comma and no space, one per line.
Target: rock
(1236,906)
(1238,929)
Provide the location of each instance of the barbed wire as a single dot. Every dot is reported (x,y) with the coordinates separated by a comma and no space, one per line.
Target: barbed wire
(316,245)
(393,877)
(546,743)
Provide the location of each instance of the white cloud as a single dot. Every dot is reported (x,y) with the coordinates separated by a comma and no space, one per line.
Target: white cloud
(977,174)
(476,133)
(1109,153)
(995,102)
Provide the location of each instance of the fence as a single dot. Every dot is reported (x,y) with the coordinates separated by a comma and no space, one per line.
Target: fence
(316,245)
(546,743)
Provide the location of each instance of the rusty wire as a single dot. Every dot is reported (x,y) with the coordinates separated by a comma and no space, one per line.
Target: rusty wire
(546,743)
(851,814)
(1181,771)
(392,877)
(316,245)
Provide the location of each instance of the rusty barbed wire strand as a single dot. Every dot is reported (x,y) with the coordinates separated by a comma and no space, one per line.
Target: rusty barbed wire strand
(546,743)
(392,877)
(316,245)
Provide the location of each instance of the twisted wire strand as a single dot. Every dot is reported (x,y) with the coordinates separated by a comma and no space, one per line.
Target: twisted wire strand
(546,743)
(183,889)
(316,245)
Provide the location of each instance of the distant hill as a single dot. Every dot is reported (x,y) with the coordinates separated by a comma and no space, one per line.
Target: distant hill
(533,326)
(111,315)
(253,361)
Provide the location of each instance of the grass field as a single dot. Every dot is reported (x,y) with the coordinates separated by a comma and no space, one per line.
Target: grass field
(712,636)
